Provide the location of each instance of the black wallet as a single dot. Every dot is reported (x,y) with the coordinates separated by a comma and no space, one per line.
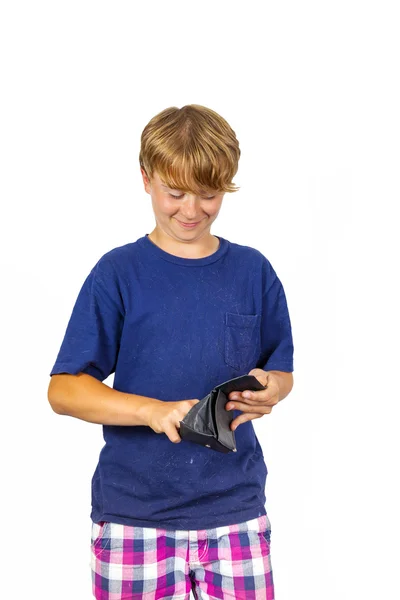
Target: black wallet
(208,422)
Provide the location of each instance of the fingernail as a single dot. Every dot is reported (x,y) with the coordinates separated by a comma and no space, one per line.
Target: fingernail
(246,394)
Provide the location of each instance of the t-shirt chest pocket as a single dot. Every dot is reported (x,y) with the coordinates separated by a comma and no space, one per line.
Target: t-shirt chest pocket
(242,340)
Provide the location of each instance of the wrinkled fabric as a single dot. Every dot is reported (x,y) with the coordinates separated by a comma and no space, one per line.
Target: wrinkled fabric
(224,562)
(172,328)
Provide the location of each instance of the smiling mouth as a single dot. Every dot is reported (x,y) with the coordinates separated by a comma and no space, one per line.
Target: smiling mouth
(190,223)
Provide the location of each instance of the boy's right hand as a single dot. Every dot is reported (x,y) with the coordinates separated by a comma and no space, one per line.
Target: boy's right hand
(164,417)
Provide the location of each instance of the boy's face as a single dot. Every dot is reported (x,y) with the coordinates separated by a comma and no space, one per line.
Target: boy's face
(174,207)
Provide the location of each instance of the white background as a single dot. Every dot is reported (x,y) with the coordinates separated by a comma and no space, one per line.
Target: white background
(311,90)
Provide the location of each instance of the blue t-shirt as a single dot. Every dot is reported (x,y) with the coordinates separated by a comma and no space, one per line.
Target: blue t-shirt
(172,328)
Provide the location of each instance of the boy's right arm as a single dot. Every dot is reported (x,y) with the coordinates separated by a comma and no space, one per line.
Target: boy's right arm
(85,397)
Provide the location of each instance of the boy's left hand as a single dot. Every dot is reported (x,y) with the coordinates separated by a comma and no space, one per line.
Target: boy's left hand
(257,403)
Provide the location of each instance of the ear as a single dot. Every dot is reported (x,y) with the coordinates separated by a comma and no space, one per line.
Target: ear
(146,180)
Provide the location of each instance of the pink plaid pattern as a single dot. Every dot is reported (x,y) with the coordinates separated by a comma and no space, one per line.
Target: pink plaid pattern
(231,561)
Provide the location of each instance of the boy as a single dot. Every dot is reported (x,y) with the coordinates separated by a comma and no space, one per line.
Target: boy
(173,314)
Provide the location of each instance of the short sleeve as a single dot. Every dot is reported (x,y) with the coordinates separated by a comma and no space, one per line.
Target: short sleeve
(276,331)
(92,337)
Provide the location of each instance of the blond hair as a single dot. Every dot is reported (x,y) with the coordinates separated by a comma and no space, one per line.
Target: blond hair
(192,148)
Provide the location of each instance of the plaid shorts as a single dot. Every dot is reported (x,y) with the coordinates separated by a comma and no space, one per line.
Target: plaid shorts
(231,561)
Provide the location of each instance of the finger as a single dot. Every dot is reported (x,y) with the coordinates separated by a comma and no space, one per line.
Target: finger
(251,397)
(248,405)
(235,395)
(243,418)
(173,434)
(257,396)
(261,397)
(250,408)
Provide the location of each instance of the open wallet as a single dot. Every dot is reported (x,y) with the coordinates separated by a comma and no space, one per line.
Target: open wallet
(208,422)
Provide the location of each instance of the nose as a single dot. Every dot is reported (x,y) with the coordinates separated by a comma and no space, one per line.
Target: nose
(190,208)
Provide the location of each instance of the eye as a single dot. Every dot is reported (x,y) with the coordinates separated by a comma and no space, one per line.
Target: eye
(181,196)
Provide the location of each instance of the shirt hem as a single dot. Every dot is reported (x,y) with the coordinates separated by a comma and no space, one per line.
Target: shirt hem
(191,524)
